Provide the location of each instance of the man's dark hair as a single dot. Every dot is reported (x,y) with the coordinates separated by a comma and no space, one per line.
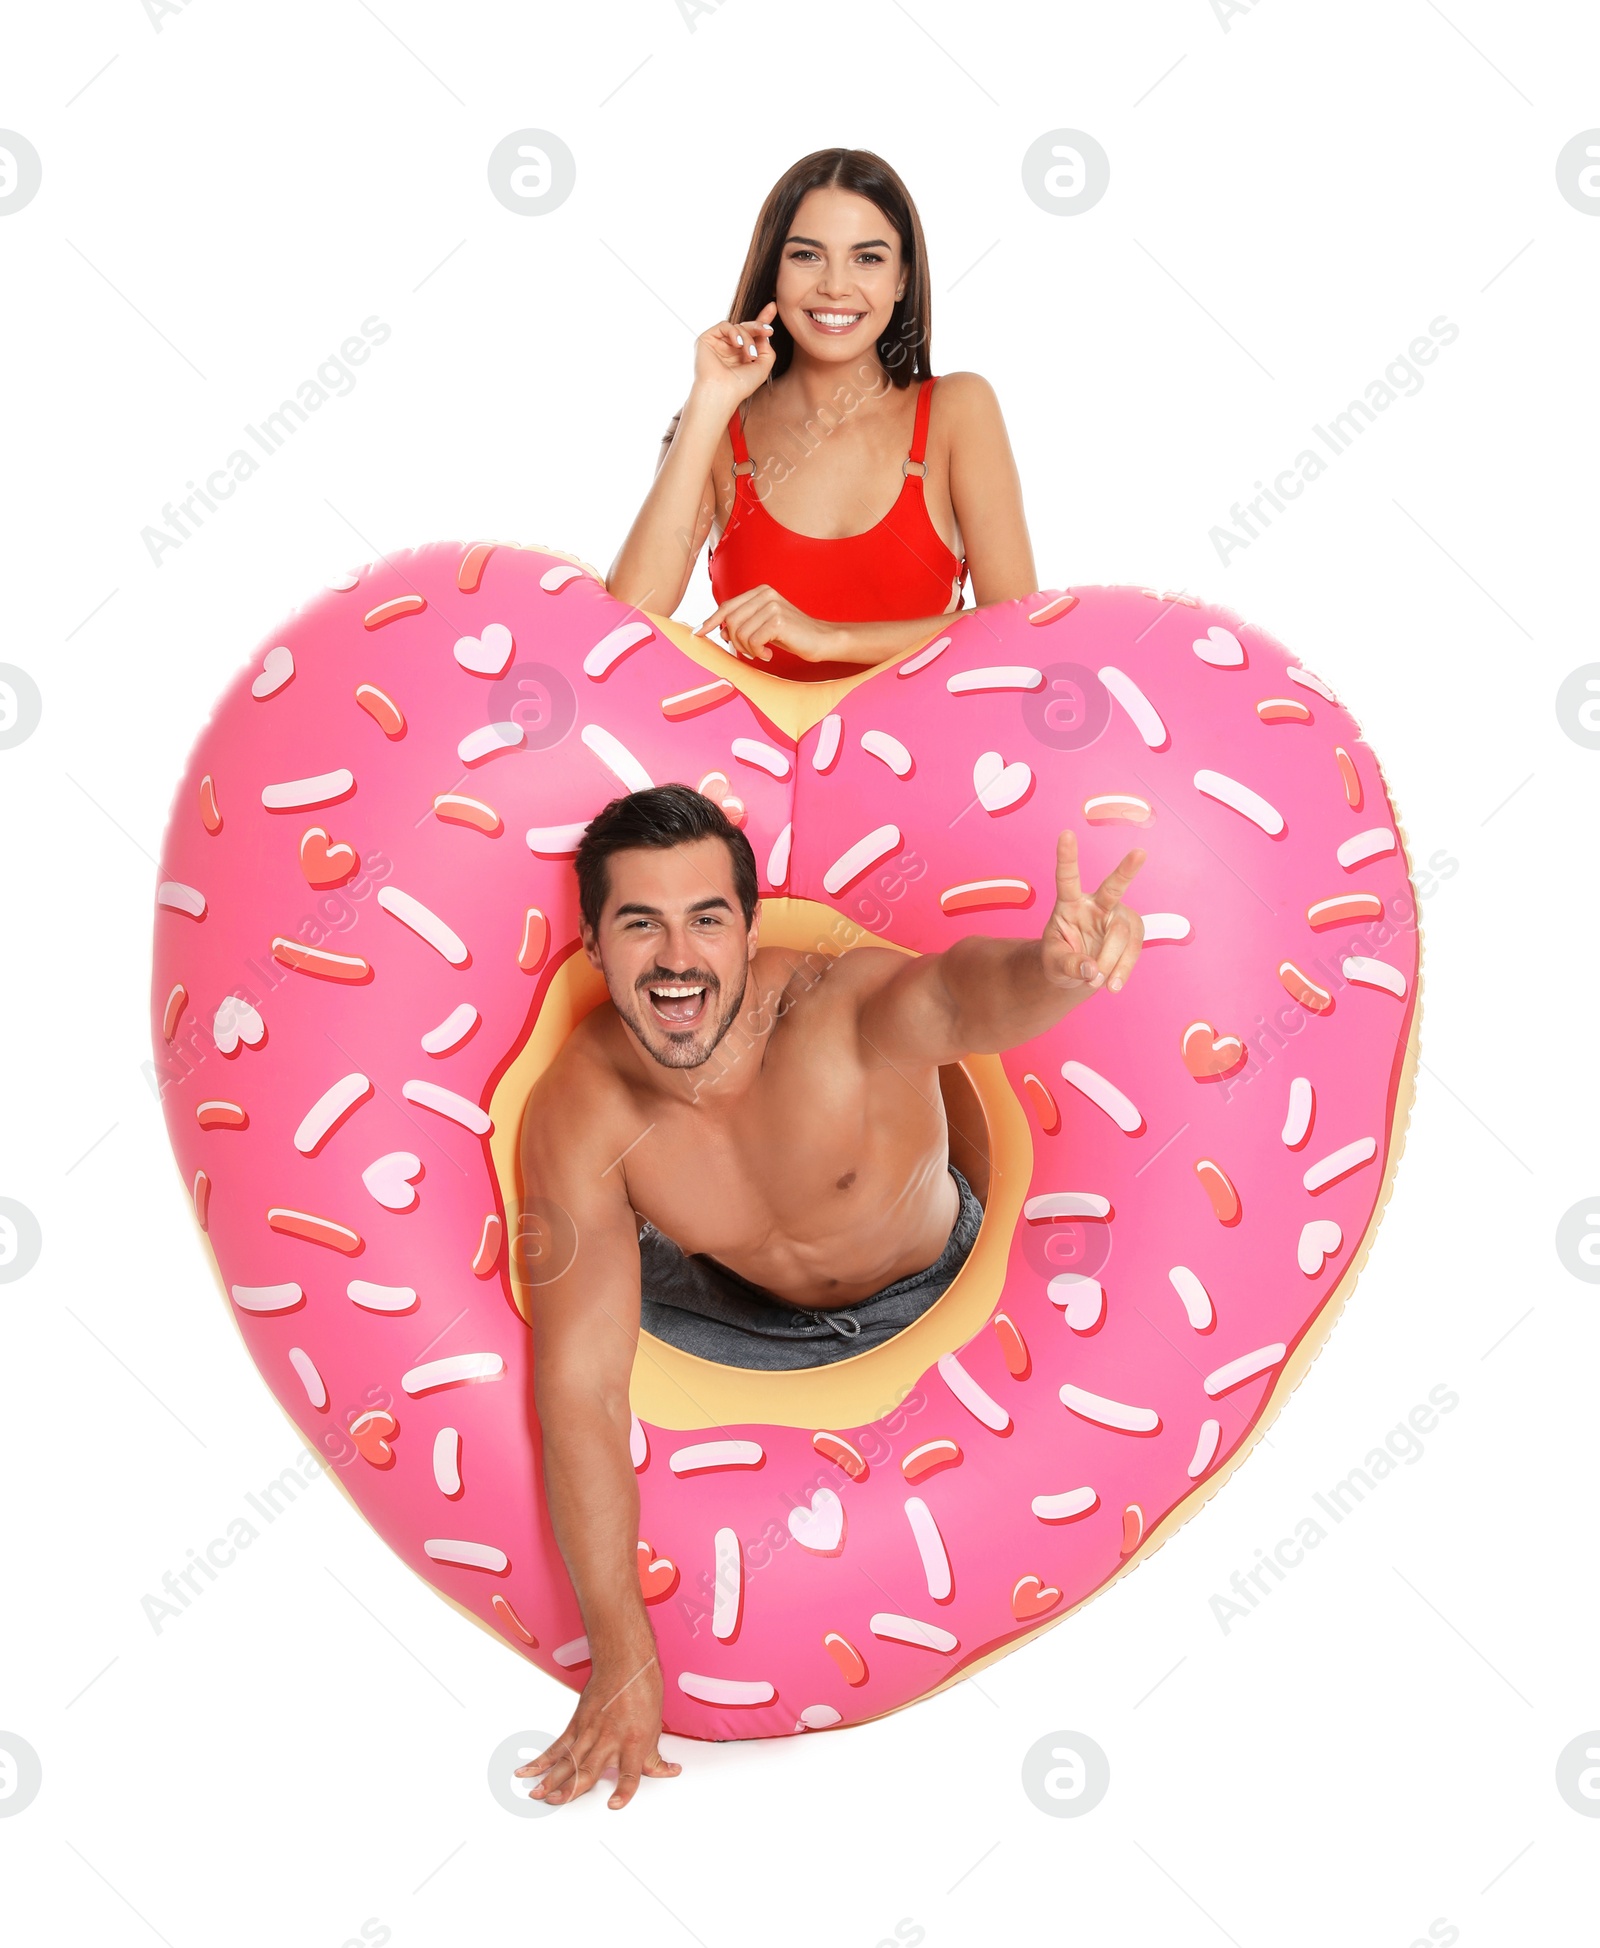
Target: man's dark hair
(662,817)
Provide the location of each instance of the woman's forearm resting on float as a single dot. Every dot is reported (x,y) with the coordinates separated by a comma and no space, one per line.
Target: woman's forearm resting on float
(655,561)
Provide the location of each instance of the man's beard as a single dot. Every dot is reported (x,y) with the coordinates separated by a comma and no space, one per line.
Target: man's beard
(686,1048)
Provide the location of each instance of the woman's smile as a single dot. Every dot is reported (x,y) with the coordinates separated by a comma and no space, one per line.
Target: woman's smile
(835,323)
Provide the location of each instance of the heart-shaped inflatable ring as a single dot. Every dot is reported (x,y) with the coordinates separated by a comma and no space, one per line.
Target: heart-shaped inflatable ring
(1184,1178)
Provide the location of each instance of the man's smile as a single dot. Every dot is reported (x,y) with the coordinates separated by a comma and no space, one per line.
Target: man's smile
(677,1005)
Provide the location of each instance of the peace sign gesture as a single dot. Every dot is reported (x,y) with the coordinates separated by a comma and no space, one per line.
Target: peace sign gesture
(1095,941)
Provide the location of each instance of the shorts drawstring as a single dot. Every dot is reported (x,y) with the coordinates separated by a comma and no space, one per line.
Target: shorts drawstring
(845,1324)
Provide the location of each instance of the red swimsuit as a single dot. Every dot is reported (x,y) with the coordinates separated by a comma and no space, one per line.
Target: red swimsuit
(893,572)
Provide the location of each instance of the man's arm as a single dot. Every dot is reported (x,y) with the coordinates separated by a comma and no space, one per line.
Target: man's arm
(585,1327)
(983,996)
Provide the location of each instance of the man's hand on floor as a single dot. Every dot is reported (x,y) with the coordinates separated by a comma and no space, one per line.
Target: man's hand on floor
(617,1722)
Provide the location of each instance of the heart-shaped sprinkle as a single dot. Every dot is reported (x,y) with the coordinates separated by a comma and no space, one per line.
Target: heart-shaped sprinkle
(658,1575)
(390,1179)
(237,1021)
(371,1434)
(486,654)
(1206,1053)
(1219,647)
(323,862)
(1080,1297)
(1032,1598)
(277,667)
(716,786)
(819,1528)
(1319,1240)
(1000,785)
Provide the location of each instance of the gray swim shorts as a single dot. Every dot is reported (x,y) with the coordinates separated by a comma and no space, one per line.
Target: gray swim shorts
(701,1307)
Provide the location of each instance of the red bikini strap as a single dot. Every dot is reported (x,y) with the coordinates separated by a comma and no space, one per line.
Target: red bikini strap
(919,433)
(742,463)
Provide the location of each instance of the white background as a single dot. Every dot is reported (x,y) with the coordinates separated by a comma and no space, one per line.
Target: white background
(227,193)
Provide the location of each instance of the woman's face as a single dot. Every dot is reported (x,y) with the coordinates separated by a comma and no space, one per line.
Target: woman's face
(840,276)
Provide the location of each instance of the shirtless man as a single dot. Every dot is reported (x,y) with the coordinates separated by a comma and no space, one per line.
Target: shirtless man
(779,1117)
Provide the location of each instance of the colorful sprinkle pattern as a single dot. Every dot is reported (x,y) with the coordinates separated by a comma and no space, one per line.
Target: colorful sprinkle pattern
(366,890)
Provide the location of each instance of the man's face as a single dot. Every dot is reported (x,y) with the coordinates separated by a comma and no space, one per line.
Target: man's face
(674,948)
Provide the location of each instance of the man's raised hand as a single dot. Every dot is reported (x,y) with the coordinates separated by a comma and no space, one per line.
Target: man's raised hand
(1092,941)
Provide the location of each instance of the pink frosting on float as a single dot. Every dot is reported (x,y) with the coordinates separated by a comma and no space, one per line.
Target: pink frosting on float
(1210,1146)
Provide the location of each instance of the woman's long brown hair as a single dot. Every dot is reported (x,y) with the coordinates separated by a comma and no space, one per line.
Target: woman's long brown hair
(904,347)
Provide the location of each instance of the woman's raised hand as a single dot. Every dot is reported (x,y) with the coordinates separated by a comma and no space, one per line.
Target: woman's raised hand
(730,360)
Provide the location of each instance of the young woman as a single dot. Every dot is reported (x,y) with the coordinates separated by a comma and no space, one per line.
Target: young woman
(851,493)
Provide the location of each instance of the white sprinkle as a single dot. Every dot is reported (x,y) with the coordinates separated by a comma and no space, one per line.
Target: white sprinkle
(445,1102)
(728,1587)
(611,649)
(487,740)
(452,1031)
(1196,1299)
(1205,1448)
(236,1021)
(389,1179)
(910,1630)
(878,844)
(829,734)
(705,1455)
(330,1109)
(999,785)
(765,757)
(1062,1508)
(1165,926)
(1374,974)
(1110,1413)
(778,857)
(424,923)
(556,841)
(972,1396)
(1013,676)
(299,794)
(925,656)
(1240,798)
(569,1655)
(1364,846)
(638,1443)
(616,757)
(1311,682)
(380,1298)
(815,1717)
(1340,1163)
(181,898)
(447,1461)
(1246,1367)
(310,1378)
(470,1555)
(887,750)
(1082,1299)
(1319,1240)
(1066,1204)
(339,583)
(930,1546)
(276,669)
(557,578)
(266,1298)
(1104,1095)
(726,1690)
(1302,1101)
(446,1372)
(486,654)
(1146,718)
(1219,647)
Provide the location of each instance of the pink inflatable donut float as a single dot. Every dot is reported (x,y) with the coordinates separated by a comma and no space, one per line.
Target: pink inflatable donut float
(366,948)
